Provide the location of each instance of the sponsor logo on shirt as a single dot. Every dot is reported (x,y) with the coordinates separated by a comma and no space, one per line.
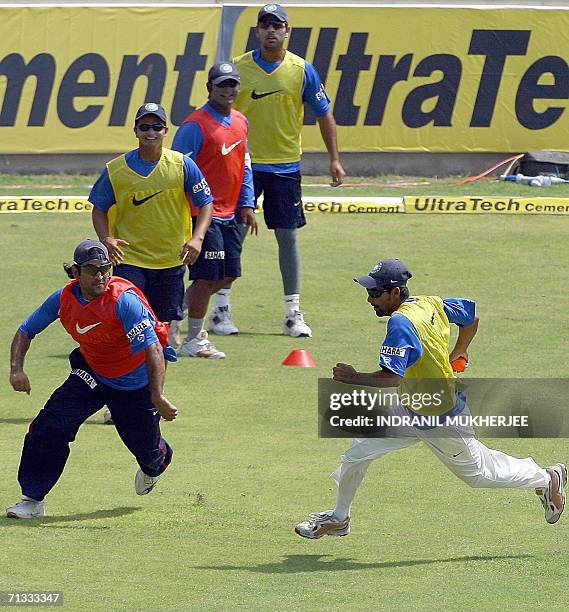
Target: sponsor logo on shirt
(321,94)
(226,150)
(138,329)
(137,202)
(258,96)
(393,350)
(202,186)
(84,330)
(214,254)
(85,376)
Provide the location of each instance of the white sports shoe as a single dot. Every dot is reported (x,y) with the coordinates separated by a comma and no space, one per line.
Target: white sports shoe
(295,325)
(174,337)
(323,523)
(26,509)
(553,497)
(107,417)
(200,346)
(143,484)
(221,323)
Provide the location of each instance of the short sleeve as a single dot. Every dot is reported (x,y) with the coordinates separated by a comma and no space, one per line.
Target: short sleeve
(460,311)
(401,347)
(138,322)
(314,93)
(195,185)
(102,194)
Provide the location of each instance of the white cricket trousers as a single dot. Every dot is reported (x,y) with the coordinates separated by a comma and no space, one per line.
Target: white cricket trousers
(475,464)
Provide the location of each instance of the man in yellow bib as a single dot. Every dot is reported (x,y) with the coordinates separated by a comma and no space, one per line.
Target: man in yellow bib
(142,215)
(417,347)
(275,84)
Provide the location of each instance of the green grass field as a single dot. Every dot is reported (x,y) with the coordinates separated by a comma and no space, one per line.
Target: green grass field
(11,184)
(218,532)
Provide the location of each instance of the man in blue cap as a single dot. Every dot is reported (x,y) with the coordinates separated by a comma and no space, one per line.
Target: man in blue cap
(275,85)
(119,362)
(141,213)
(416,348)
(215,136)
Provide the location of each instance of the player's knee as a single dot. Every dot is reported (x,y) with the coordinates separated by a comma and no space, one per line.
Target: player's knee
(474,479)
(204,285)
(48,430)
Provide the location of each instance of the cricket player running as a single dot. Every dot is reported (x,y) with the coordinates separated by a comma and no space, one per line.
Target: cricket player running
(417,347)
(119,362)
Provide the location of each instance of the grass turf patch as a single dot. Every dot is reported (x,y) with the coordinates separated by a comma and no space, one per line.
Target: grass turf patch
(217,532)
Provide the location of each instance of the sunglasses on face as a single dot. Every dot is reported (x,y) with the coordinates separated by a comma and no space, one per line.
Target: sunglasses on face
(144,127)
(94,270)
(276,25)
(375,293)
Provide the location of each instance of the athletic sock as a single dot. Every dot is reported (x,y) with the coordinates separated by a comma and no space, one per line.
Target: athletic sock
(292,304)
(194,327)
(223,298)
(289,260)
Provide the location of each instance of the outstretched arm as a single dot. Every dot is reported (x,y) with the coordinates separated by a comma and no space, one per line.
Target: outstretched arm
(344,372)
(18,378)
(156,371)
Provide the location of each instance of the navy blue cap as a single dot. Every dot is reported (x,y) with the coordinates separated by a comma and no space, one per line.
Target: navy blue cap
(223,71)
(273,10)
(387,273)
(151,108)
(91,250)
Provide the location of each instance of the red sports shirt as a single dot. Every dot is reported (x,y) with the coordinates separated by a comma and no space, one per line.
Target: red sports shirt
(99,332)
(222,159)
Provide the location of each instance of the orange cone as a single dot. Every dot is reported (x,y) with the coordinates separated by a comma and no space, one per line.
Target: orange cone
(301,358)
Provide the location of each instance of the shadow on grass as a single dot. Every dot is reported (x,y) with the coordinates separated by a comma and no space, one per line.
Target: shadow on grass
(17,421)
(71,518)
(24,421)
(255,334)
(293,564)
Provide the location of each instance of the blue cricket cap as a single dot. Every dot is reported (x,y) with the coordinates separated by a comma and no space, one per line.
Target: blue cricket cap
(387,273)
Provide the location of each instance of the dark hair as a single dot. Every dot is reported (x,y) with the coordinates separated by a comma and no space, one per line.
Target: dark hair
(404,292)
(69,269)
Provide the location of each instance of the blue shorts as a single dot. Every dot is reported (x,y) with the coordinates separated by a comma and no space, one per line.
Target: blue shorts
(282,199)
(46,445)
(163,288)
(220,256)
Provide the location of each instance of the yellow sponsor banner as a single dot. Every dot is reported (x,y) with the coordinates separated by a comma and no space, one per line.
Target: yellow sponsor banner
(484,204)
(340,205)
(438,79)
(23,204)
(380,205)
(349,205)
(435,78)
(72,77)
